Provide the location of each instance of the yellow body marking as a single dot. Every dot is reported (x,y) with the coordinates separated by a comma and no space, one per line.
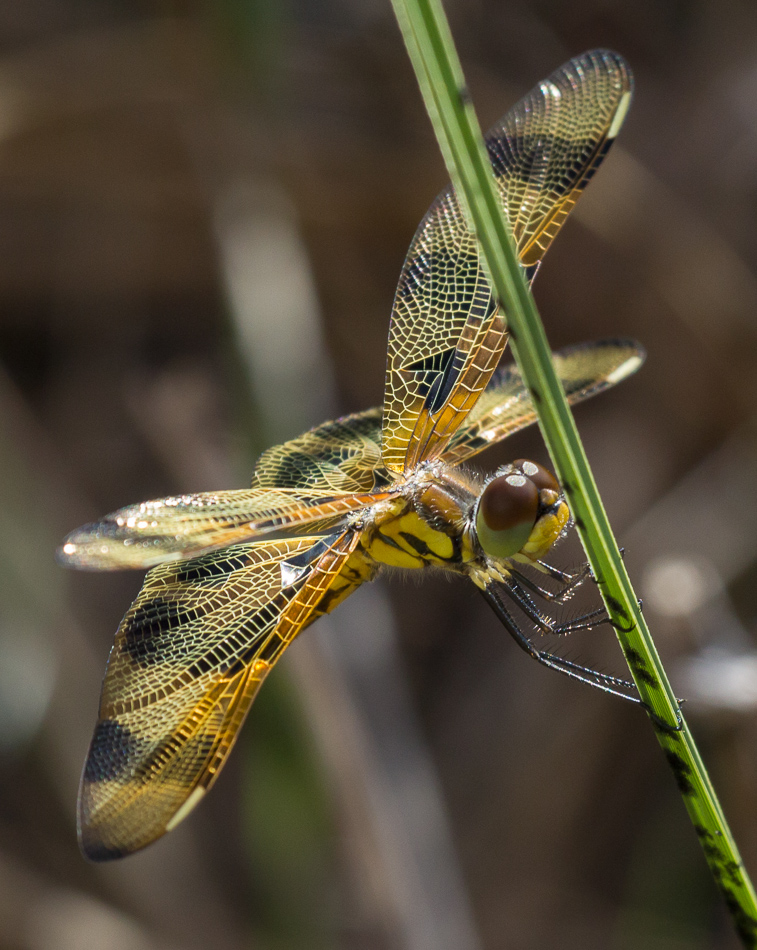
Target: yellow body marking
(546,531)
(404,536)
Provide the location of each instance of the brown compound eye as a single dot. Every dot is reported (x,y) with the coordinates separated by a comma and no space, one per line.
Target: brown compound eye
(506,514)
(540,476)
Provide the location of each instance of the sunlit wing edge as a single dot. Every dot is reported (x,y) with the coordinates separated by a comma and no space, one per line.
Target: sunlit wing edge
(173,529)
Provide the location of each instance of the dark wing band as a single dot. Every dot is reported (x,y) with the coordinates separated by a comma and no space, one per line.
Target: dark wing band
(189,657)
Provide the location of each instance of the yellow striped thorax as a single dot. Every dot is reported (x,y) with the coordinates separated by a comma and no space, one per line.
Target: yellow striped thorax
(445,518)
(424,525)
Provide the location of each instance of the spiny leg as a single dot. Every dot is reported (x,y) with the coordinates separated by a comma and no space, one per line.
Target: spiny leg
(570,584)
(563,576)
(543,622)
(603,681)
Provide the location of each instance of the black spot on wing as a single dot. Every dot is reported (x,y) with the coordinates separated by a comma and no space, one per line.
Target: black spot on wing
(429,368)
(144,633)
(436,376)
(255,640)
(300,469)
(446,280)
(94,850)
(417,275)
(112,753)
(210,568)
(442,385)
(517,160)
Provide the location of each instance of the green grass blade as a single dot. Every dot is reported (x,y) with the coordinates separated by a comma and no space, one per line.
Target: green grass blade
(440,77)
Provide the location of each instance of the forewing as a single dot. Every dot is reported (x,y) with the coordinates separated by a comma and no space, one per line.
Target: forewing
(506,405)
(172,529)
(339,456)
(188,659)
(447,335)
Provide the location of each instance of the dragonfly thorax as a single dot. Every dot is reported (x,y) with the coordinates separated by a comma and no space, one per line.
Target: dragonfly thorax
(443,518)
(424,525)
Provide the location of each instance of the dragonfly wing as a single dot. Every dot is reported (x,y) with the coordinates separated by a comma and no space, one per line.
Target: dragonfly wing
(339,456)
(189,657)
(506,406)
(447,335)
(172,529)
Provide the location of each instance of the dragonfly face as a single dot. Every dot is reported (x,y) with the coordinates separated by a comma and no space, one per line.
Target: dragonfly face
(237,575)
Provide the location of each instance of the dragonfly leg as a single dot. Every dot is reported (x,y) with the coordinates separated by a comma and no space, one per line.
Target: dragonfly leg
(544,624)
(603,681)
(570,584)
(563,576)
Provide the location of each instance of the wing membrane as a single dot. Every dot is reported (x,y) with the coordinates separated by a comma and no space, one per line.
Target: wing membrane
(171,529)
(339,456)
(506,406)
(189,657)
(447,335)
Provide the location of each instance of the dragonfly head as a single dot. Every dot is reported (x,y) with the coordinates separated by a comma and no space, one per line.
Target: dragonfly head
(520,511)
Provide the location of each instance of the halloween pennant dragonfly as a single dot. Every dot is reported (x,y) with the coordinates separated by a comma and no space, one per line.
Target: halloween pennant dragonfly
(235,576)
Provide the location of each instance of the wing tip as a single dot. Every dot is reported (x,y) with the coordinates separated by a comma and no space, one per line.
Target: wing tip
(71,553)
(627,368)
(613,342)
(90,548)
(637,354)
(105,839)
(96,851)
(606,59)
(93,842)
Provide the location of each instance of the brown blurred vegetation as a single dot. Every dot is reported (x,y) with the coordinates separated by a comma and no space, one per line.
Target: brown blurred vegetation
(204,207)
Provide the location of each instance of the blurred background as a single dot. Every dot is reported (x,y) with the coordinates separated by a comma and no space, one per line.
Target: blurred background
(204,208)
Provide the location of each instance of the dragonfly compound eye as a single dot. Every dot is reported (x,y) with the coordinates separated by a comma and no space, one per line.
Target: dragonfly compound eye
(540,476)
(506,514)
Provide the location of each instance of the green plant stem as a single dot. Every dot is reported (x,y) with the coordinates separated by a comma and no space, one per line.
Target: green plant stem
(437,67)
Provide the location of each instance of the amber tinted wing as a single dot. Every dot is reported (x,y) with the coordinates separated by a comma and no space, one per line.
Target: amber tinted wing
(170,529)
(446,334)
(339,456)
(189,657)
(505,405)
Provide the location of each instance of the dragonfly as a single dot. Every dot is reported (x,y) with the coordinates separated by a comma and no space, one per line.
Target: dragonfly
(234,576)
